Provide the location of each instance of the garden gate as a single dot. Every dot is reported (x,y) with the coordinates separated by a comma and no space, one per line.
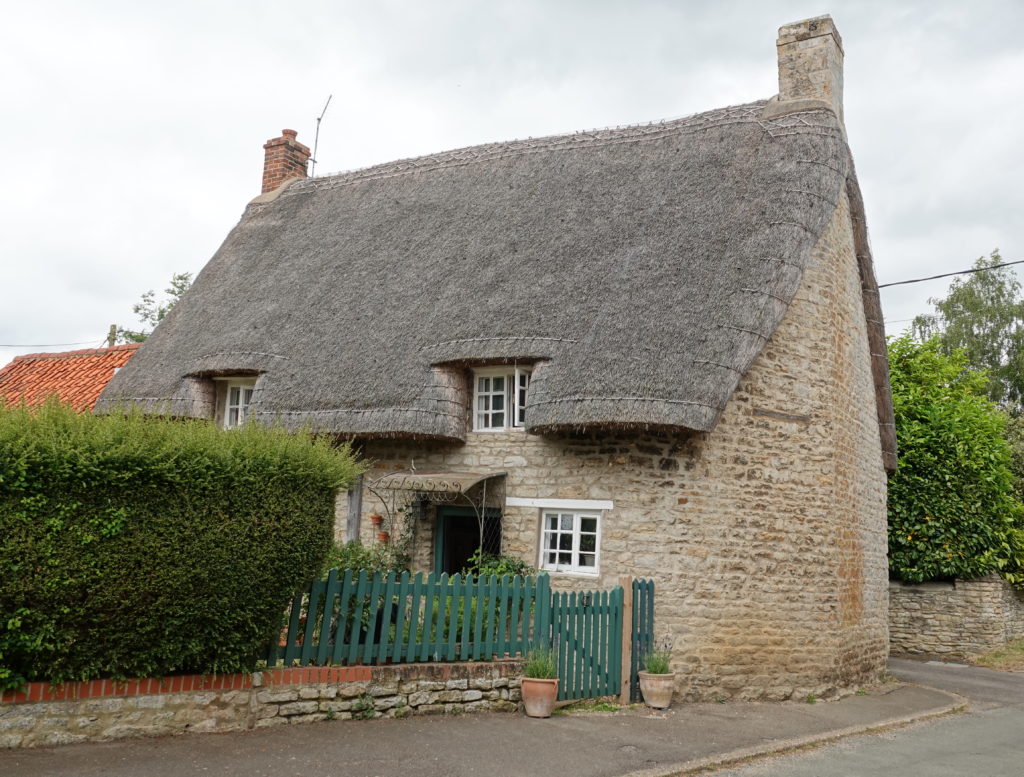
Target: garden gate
(586,633)
(600,639)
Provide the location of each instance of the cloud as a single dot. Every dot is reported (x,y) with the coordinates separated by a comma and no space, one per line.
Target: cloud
(133,132)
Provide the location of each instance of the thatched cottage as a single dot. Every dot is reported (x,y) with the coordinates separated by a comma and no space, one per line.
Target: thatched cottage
(654,350)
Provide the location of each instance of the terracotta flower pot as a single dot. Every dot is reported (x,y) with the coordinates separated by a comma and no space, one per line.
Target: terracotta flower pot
(539,696)
(376,520)
(383,537)
(657,689)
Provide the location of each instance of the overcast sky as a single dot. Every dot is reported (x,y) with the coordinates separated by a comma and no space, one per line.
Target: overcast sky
(132,132)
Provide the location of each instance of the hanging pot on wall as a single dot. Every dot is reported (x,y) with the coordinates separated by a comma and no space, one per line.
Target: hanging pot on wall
(383,537)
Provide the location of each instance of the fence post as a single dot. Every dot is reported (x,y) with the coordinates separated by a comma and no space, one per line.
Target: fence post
(542,612)
(627,639)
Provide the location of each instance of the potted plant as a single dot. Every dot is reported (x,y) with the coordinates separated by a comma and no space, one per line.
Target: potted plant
(540,682)
(657,680)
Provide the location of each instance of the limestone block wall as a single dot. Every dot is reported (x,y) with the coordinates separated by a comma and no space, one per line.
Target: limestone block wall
(766,537)
(961,618)
(102,710)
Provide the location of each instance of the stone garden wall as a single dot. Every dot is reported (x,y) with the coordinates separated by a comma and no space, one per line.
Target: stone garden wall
(956,619)
(102,710)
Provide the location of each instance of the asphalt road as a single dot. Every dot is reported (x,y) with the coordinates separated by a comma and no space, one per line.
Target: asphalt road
(987,742)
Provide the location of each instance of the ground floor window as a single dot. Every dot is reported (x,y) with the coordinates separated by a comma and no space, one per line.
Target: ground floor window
(569,541)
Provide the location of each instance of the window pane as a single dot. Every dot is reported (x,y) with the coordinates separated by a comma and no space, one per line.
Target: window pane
(552,558)
(499,384)
(565,541)
(497,402)
(233,395)
(567,523)
(565,558)
(552,520)
(552,541)
(588,525)
(588,542)
(233,417)
(587,560)
(497,420)
(247,396)
(484,384)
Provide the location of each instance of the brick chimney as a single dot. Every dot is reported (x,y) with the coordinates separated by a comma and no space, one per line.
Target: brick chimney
(285,159)
(811,62)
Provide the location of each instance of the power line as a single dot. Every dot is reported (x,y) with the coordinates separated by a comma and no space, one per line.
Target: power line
(948,274)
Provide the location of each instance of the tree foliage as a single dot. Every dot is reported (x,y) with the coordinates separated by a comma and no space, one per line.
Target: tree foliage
(1015,437)
(952,508)
(983,315)
(151,312)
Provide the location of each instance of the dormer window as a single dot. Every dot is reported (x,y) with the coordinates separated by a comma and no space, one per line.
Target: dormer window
(499,398)
(236,396)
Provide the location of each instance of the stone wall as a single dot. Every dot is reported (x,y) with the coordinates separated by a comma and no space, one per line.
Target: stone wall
(962,618)
(766,537)
(102,710)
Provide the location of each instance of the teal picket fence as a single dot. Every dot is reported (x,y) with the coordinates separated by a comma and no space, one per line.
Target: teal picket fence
(586,633)
(641,632)
(375,618)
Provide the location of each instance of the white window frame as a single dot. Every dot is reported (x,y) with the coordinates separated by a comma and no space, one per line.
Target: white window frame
(513,397)
(243,385)
(574,567)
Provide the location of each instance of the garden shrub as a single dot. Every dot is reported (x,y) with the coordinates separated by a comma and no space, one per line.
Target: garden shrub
(483,563)
(374,558)
(139,546)
(952,508)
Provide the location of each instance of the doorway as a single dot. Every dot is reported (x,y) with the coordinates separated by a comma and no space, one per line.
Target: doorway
(458,536)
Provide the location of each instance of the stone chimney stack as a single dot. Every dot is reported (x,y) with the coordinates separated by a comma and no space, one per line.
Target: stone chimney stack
(285,159)
(811,63)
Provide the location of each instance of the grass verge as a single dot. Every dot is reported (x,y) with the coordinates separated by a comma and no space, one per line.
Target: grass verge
(1008,658)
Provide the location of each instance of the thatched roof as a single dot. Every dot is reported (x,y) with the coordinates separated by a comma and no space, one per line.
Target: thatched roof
(644,268)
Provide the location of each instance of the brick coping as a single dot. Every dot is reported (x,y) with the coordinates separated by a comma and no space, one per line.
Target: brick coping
(95,689)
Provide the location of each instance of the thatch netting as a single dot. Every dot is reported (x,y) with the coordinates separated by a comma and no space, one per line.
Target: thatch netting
(646,267)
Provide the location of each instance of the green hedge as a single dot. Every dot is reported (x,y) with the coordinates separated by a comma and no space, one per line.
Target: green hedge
(952,508)
(137,546)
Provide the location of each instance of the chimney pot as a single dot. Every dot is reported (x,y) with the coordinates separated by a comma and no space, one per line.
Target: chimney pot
(284,159)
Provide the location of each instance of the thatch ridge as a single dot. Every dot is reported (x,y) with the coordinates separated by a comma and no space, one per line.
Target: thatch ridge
(641,269)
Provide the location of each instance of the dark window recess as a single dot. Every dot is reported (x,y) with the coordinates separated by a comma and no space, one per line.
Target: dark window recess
(460,537)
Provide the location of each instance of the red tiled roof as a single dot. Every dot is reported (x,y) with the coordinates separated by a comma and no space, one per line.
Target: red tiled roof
(76,377)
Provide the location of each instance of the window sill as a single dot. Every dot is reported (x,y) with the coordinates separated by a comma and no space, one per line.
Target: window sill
(566,573)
